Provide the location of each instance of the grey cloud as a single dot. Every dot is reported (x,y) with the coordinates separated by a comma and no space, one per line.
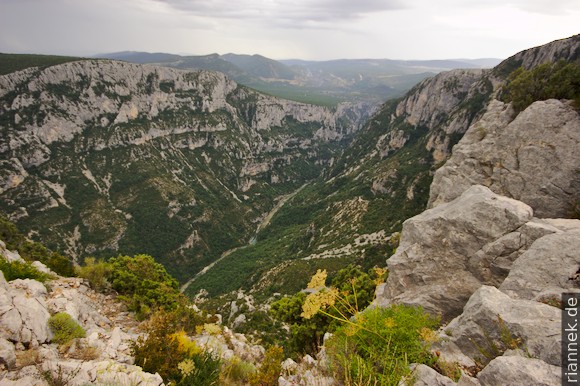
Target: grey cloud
(297,11)
(544,7)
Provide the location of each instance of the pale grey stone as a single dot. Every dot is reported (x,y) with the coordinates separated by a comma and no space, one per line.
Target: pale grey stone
(7,354)
(519,371)
(425,376)
(550,264)
(532,158)
(533,326)
(440,242)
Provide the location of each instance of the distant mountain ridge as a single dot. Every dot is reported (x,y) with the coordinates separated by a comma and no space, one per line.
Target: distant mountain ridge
(326,82)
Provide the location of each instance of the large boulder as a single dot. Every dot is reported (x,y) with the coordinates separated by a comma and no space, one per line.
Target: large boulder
(519,371)
(23,312)
(434,264)
(548,268)
(532,158)
(493,323)
(7,354)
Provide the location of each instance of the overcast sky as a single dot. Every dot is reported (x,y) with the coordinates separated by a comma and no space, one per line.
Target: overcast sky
(284,29)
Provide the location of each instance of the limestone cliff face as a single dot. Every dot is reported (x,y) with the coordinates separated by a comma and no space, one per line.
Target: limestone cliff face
(445,105)
(100,156)
(563,49)
(439,105)
(532,158)
(496,247)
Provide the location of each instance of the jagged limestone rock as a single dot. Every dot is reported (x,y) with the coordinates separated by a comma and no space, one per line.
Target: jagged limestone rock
(519,371)
(437,245)
(23,313)
(425,376)
(532,158)
(7,354)
(78,372)
(493,322)
(550,265)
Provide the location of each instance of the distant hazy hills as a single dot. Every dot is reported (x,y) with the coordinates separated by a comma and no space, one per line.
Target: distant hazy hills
(319,82)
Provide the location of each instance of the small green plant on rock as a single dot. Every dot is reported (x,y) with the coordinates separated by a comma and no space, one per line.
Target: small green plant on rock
(374,347)
(21,270)
(64,328)
(497,343)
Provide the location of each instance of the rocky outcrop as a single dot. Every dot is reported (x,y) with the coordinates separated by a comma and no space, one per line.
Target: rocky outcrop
(531,158)
(27,353)
(517,370)
(563,49)
(226,345)
(24,314)
(422,375)
(492,323)
(451,238)
(434,99)
(548,268)
(512,268)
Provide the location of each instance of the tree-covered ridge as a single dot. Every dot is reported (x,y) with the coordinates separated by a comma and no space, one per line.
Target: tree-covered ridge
(17,62)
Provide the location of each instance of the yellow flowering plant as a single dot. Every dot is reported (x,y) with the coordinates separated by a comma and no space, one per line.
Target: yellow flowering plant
(372,347)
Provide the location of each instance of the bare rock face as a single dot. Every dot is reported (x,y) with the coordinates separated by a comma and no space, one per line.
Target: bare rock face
(492,320)
(532,158)
(438,245)
(25,308)
(425,376)
(519,371)
(441,93)
(7,354)
(563,49)
(23,313)
(548,268)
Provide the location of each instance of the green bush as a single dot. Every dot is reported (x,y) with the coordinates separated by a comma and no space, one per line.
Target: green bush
(167,350)
(96,272)
(357,289)
(269,371)
(143,284)
(379,346)
(236,372)
(18,270)
(559,80)
(64,328)
(200,369)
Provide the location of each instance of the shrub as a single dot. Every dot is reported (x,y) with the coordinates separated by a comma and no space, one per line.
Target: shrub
(549,80)
(269,371)
(376,346)
(96,272)
(19,270)
(236,372)
(200,369)
(64,328)
(166,349)
(379,346)
(357,289)
(144,284)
